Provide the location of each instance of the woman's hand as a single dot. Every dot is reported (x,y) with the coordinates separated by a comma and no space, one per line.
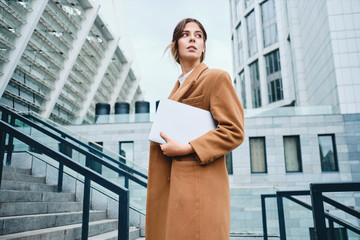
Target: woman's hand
(173,148)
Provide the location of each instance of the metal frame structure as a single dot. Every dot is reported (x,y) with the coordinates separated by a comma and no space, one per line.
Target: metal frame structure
(317,208)
(7,127)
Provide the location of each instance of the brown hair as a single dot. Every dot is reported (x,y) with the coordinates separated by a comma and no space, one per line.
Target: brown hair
(173,46)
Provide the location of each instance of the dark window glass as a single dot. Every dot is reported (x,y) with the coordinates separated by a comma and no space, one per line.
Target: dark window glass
(257,155)
(229,164)
(255,84)
(95,165)
(328,155)
(292,154)
(274,79)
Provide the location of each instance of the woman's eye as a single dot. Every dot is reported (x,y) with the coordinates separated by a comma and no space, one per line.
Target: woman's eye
(185,34)
(199,35)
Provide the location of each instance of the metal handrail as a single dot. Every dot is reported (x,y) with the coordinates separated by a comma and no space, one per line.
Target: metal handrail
(90,175)
(90,148)
(289,195)
(62,140)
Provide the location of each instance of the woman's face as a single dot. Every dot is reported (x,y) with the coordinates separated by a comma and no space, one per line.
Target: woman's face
(191,44)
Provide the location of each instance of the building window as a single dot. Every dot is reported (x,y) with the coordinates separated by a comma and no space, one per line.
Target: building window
(248,3)
(229,164)
(328,155)
(268,14)
(255,84)
(95,165)
(273,75)
(292,153)
(257,155)
(243,89)
(251,32)
(238,9)
(240,45)
(126,149)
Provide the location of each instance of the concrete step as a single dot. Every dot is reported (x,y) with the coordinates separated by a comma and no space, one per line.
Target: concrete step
(27,208)
(21,196)
(65,232)
(11,169)
(134,233)
(27,186)
(22,178)
(24,223)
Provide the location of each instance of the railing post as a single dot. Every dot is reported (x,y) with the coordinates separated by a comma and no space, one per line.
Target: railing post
(61,167)
(4,117)
(332,230)
(10,146)
(86,209)
(123,223)
(318,213)
(280,206)
(263,210)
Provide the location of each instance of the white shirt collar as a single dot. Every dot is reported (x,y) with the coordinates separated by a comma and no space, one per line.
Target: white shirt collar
(181,79)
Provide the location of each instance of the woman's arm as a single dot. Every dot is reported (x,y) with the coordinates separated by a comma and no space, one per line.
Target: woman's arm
(228,112)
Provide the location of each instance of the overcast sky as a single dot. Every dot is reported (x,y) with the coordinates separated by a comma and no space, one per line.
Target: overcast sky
(146,29)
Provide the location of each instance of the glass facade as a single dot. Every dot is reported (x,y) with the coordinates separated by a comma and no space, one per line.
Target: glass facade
(292,153)
(268,15)
(255,84)
(251,32)
(240,45)
(257,155)
(243,88)
(273,75)
(328,155)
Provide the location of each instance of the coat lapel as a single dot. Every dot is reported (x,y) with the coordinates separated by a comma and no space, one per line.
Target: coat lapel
(179,91)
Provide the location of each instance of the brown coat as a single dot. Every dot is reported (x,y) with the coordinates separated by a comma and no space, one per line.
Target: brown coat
(188,196)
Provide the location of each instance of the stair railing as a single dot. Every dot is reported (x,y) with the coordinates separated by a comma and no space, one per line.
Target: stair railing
(89,175)
(317,208)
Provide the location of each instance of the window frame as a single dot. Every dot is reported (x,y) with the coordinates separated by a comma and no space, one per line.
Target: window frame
(265,159)
(298,146)
(336,161)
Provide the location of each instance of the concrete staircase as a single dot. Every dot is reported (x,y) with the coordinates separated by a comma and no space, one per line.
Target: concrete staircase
(31,209)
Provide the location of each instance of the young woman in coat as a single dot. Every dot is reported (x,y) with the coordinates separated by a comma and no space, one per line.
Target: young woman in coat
(188,193)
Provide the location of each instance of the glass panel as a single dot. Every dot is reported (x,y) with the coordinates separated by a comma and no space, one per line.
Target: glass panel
(327,152)
(292,153)
(268,13)
(243,88)
(257,155)
(229,165)
(240,45)
(251,30)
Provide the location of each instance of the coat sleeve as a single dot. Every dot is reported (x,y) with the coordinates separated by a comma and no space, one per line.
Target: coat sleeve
(228,113)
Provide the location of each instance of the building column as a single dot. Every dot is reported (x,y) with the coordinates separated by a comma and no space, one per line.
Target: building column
(134,88)
(32,18)
(90,16)
(113,44)
(120,82)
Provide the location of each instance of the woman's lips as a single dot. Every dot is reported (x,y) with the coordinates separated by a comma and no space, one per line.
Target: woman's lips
(192,47)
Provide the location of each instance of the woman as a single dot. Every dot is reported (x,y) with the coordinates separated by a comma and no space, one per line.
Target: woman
(188,189)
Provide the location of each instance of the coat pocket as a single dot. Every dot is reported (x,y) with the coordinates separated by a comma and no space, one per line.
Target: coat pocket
(183,211)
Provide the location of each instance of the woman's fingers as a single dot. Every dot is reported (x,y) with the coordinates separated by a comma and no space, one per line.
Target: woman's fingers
(164,136)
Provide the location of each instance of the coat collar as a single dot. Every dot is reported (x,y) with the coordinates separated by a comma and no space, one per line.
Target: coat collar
(179,91)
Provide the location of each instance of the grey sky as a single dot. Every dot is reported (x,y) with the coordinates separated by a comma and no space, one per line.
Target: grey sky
(149,24)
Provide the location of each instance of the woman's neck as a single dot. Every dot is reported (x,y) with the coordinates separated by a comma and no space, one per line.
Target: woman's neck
(188,66)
